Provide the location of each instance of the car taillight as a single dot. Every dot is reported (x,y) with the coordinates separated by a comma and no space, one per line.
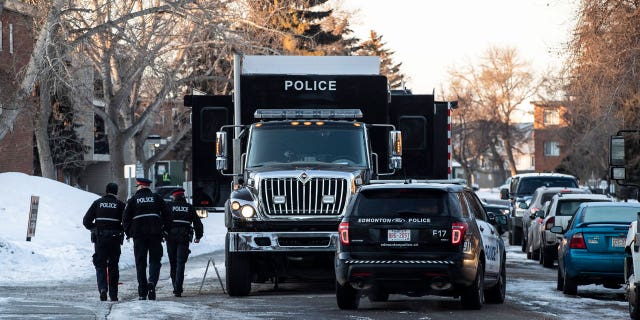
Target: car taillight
(343,230)
(550,223)
(577,241)
(457,232)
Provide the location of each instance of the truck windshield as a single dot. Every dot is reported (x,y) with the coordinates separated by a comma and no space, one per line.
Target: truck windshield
(329,143)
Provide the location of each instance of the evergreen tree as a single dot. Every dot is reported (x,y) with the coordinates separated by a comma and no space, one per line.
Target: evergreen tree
(297,27)
(375,47)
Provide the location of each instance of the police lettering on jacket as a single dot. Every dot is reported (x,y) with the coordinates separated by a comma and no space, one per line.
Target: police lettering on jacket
(180,209)
(109,205)
(145,200)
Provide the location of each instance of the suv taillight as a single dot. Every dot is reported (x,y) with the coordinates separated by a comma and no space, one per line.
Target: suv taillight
(457,232)
(343,230)
(550,223)
(577,241)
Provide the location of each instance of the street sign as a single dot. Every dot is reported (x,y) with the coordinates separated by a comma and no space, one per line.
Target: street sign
(129,170)
(33,217)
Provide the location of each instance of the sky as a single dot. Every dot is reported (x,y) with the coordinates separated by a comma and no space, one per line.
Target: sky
(61,251)
(432,37)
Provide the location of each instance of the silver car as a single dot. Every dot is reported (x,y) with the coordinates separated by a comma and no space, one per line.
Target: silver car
(533,233)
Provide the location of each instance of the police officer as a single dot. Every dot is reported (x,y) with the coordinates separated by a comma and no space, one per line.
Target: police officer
(146,218)
(104,219)
(183,215)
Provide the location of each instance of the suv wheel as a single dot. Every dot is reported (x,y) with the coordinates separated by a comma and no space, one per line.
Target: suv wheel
(238,269)
(548,259)
(473,297)
(634,313)
(496,294)
(347,297)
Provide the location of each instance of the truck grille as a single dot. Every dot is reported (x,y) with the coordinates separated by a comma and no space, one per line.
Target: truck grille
(290,196)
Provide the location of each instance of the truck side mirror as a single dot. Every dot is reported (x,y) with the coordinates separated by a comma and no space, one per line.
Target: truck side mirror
(395,149)
(221,150)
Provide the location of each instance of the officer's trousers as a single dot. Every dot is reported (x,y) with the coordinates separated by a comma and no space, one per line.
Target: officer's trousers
(105,260)
(151,247)
(178,252)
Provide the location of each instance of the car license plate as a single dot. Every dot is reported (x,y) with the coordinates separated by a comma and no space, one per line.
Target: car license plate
(618,242)
(399,235)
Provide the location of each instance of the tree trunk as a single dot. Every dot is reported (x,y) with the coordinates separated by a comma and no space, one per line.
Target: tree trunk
(42,133)
(509,150)
(116,157)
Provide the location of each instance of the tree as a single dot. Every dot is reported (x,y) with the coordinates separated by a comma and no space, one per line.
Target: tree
(493,90)
(295,27)
(375,47)
(601,81)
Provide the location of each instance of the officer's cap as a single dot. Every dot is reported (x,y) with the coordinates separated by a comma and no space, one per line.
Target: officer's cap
(143,182)
(177,192)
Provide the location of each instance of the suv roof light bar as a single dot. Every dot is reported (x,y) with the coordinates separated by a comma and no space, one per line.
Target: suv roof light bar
(308,114)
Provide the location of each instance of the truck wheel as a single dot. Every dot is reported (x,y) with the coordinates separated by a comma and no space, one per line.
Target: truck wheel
(570,285)
(524,244)
(517,236)
(347,297)
(510,238)
(238,272)
(473,297)
(548,259)
(496,294)
(535,254)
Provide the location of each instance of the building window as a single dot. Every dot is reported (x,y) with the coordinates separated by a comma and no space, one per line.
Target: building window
(533,161)
(10,38)
(551,149)
(551,117)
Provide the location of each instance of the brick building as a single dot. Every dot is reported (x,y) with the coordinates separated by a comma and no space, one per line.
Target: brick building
(548,121)
(16,45)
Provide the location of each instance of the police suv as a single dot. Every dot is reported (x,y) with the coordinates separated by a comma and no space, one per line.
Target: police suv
(419,239)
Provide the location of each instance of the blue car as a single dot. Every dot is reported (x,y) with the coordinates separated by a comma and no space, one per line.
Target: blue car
(592,249)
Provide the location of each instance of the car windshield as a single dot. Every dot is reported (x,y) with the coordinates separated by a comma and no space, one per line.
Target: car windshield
(400,203)
(328,143)
(610,214)
(528,186)
(569,207)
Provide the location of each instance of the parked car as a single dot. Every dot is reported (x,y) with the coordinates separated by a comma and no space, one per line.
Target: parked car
(522,186)
(561,209)
(418,239)
(165,192)
(538,198)
(533,233)
(497,210)
(593,247)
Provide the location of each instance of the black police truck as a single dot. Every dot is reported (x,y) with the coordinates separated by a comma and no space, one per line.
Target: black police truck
(283,156)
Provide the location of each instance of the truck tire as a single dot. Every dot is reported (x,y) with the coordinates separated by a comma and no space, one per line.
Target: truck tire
(473,297)
(347,297)
(238,272)
(496,294)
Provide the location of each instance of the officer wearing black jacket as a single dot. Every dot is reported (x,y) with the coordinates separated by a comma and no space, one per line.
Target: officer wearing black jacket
(145,219)
(104,219)
(183,215)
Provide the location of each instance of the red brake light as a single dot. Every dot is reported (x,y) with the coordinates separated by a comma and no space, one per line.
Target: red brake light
(550,223)
(577,241)
(343,229)
(457,232)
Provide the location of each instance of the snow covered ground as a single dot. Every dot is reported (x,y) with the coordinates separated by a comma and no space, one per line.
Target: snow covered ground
(61,251)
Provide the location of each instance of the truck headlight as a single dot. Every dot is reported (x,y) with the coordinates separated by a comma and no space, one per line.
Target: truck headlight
(235,205)
(248,211)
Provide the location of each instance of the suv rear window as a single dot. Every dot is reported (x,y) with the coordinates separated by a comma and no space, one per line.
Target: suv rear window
(396,203)
(529,185)
(569,207)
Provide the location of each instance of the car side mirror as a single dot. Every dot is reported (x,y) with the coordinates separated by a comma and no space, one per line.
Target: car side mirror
(504,194)
(539,214)
(557,229)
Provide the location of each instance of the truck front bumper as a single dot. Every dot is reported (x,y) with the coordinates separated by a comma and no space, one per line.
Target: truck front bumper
(317,241)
